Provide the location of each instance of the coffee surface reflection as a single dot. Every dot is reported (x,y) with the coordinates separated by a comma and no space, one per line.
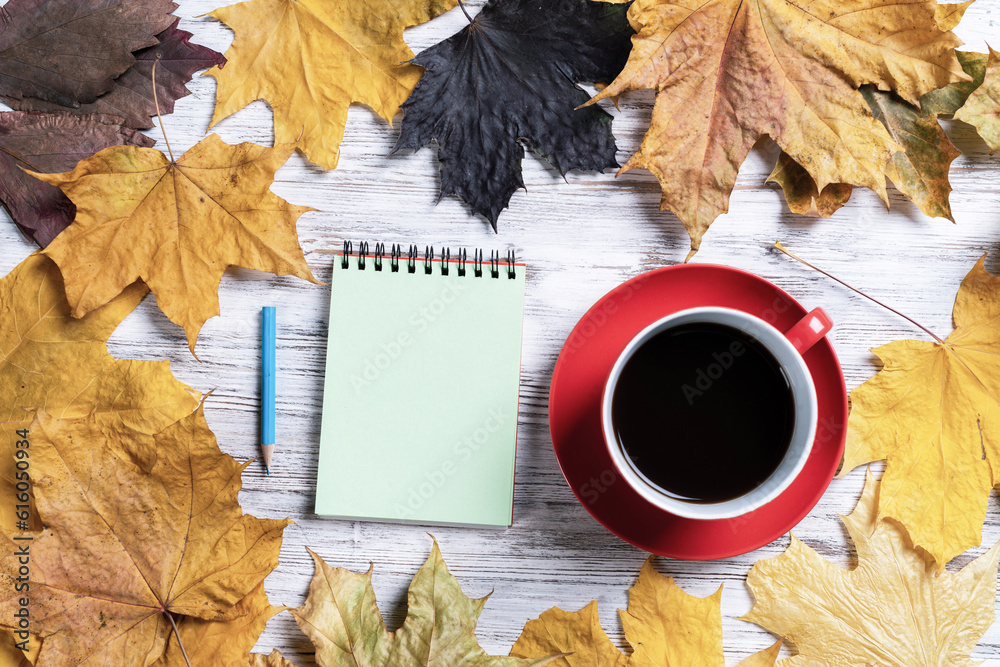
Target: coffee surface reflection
(703,412)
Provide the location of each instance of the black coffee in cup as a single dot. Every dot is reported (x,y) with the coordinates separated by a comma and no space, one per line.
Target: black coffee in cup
(703,411)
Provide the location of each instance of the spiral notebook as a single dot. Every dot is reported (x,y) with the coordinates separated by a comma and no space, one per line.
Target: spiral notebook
(420,395)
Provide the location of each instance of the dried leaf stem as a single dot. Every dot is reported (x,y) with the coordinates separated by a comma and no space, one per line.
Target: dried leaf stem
(156,102)
(170,617)
(465,11)
(777,244)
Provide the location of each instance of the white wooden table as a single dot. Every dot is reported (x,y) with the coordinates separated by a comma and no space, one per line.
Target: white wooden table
(579,238)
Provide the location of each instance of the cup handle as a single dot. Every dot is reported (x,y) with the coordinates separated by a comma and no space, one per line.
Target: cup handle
(809,330)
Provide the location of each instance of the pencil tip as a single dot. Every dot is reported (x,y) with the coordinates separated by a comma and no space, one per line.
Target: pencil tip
(266,451)
(267,471)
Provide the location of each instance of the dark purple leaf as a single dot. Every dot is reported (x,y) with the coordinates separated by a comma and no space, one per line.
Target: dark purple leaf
(50,143)
(70,51)
(131,96)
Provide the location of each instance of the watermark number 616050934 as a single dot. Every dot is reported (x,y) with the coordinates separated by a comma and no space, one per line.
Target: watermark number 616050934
(22,548)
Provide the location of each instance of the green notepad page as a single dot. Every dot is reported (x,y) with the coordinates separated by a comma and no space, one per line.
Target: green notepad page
(420,396)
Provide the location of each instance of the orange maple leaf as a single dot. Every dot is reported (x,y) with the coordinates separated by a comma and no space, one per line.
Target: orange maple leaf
(728,72)
(122,548)
(175,225)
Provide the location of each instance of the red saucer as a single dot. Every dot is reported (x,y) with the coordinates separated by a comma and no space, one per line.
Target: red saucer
(575,412)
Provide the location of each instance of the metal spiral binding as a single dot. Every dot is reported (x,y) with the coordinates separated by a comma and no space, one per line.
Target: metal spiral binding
(362,255)
(461,255)
(411,260)
(348,249)
(394,260)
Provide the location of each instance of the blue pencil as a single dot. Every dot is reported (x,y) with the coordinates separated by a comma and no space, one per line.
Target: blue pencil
(268,330)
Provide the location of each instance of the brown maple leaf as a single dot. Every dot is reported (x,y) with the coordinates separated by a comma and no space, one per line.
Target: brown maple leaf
(175,225)
(131,94)
(728,72)
(61,364)
(70,51)
(122,548)
(801,193)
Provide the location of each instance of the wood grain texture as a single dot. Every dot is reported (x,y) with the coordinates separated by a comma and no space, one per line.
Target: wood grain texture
(580,237)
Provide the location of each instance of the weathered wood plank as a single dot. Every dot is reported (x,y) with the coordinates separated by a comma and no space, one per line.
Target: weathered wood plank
(580,237)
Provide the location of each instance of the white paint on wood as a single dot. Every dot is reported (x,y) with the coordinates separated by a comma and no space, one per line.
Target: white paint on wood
(580,237)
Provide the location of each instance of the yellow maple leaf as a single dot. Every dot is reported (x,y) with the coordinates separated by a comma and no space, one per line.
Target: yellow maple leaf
(272,659)
(578,634)
(224,643)
(342,620)
(766,658)
(310,59)
(55,362)
(665,627)
(728,72)
(892,609)
(123,547)
(948,16)
(921,169)
(932,413)
(176,226)
(982,109)
(11,656)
